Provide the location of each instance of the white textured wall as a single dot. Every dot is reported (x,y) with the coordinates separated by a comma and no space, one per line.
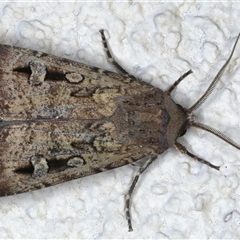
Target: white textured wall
(157,42)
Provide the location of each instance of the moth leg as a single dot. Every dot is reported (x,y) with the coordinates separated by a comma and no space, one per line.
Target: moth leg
(130,191)
(178,81)
(183,150)
(110,57)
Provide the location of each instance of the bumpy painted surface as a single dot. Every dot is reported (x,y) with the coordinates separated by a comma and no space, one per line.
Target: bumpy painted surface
(176,198)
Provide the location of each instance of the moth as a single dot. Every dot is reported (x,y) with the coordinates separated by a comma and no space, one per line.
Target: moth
(61,120)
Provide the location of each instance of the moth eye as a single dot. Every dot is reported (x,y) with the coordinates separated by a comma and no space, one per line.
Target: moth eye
(182,133)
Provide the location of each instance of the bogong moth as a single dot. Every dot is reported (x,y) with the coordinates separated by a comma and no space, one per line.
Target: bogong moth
(61,120)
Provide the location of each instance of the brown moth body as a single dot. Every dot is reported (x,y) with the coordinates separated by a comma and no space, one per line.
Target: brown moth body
(61,120)
(70,129)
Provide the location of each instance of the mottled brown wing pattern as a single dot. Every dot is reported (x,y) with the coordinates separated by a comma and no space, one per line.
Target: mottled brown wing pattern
(62,120)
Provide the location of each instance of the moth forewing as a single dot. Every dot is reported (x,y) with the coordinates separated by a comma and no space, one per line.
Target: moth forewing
(61,120)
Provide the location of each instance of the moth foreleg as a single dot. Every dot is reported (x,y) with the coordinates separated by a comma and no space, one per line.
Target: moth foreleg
(130,191)
(110,57)
(178,81)
(183,150)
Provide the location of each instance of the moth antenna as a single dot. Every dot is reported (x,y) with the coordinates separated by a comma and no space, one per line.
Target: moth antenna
(216,133)
(214,82)
(191,117)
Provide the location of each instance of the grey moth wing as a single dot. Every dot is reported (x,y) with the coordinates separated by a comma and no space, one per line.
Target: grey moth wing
(61,120)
